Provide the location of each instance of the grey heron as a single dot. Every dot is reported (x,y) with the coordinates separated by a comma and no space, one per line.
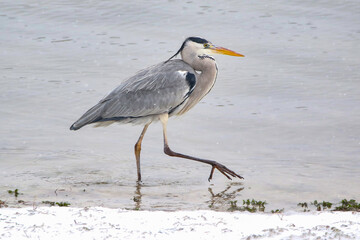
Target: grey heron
(156,93)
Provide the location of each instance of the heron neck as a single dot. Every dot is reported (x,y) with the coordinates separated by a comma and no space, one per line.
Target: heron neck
(207,67)
(205,81)
(207,76)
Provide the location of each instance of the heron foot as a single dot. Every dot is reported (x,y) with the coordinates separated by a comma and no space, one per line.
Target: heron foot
(215,165)
(224,170)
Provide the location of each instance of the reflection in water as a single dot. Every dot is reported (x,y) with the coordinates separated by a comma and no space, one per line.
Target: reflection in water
(137,196)
(220,200)
(217,201)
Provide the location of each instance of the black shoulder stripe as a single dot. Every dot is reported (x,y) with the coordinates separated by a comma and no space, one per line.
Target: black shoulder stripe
(191,80)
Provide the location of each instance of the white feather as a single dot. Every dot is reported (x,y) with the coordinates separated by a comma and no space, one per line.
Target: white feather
(183,73)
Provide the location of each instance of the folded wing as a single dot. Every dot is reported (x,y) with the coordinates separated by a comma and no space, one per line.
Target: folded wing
(152,91)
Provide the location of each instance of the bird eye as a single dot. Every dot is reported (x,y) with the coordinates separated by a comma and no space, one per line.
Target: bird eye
(206,45)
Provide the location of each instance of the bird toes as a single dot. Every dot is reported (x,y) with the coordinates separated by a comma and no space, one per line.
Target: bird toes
(224,170)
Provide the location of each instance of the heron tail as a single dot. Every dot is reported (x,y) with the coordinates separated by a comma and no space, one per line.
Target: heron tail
(91,116)
(75,127)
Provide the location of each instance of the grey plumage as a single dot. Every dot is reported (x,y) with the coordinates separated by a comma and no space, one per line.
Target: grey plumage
(155,90)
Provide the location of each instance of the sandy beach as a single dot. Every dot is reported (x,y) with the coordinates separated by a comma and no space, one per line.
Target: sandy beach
(105,223)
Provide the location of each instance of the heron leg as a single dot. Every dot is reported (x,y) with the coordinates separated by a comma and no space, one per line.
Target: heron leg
(138,150)
(215,165)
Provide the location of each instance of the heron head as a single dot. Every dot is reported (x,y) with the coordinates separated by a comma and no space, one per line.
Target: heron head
(196,46)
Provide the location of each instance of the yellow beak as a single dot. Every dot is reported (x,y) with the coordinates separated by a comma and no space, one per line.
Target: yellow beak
(225,51)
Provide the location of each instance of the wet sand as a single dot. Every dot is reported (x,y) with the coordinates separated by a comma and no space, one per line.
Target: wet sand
(286,117)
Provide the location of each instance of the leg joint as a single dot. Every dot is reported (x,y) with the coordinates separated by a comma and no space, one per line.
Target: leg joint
(168,151)
(137,147)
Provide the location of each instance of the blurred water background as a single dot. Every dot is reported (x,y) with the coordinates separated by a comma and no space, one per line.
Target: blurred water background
(286,117)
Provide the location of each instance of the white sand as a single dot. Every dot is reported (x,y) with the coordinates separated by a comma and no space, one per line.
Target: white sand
(104,223)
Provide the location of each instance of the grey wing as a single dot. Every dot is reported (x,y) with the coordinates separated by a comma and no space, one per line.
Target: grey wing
(155,90)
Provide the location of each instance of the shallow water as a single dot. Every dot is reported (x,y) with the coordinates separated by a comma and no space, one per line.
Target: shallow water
(286,117)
